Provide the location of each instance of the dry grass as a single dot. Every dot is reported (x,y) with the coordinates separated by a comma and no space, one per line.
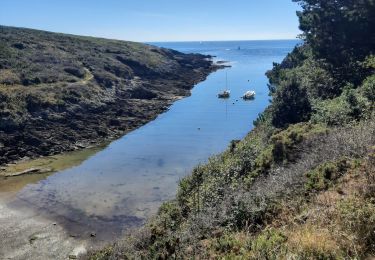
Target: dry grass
(9,77)
(337,223)
(311,242)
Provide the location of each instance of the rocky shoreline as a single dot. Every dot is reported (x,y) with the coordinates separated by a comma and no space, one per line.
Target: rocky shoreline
(117,91)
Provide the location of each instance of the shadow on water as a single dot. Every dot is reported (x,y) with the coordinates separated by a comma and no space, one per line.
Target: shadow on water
(77,223)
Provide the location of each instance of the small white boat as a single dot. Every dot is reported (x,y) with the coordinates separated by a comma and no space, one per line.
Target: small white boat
(224,94)
(249,95)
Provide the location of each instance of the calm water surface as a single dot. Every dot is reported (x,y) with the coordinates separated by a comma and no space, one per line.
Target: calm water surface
(123,184)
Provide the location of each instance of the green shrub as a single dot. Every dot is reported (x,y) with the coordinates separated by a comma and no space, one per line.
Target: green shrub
(282,145)
(294,59)
(352,104)
(368,92)
(332,112)
(324,175)
(290,105)
(228,244)
(357,217)
(268,245)
(319,83)
(171,215)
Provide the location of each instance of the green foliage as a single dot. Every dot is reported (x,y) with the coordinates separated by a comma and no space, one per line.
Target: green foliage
(369,62)
(324,175)
(340,32)
(170,212)
(352,104)
(315,77)
(284,143)
(268,245)
(290,105)
(293,60)
(311,74)
(230,245)
(227,170)
(332,112)
(334,54)
(358,217)
(282,146)
(368,92)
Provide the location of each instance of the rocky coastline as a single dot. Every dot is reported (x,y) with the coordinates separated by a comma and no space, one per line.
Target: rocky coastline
(75,92)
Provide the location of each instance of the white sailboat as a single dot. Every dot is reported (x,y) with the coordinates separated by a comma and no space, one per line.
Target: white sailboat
(226,92)
(249,95)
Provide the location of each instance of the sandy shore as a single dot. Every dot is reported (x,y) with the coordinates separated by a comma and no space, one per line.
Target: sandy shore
(26,235)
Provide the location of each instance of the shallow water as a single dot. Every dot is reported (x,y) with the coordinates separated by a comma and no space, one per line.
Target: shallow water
(126,182)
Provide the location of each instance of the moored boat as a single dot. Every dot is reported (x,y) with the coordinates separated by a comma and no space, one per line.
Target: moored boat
(249,95)
(224,94)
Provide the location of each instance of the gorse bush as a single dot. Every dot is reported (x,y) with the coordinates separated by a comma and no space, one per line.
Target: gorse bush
(326,174)
(269,244)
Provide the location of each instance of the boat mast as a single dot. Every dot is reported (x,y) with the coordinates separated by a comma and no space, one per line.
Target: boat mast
(226,80)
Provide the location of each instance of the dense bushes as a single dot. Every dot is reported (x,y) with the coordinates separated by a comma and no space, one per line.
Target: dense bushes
(315,93)
(290,105)
(341,33)
(352,104)
(334,61)
(326,174)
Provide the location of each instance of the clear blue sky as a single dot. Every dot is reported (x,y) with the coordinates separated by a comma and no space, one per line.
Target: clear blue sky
(157,20)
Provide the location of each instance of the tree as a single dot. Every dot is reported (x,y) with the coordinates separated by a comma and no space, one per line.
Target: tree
(290,105)
(342,32)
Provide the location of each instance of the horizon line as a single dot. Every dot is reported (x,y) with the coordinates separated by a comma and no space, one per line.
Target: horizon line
(147,42)
(276,39)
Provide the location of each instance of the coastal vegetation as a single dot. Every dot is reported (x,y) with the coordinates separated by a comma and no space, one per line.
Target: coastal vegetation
(301,184)
(63,92)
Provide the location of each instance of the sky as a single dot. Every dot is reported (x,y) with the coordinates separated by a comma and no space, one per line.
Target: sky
(157,20)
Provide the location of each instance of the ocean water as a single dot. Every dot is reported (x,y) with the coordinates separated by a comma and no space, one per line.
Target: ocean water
(122,185)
